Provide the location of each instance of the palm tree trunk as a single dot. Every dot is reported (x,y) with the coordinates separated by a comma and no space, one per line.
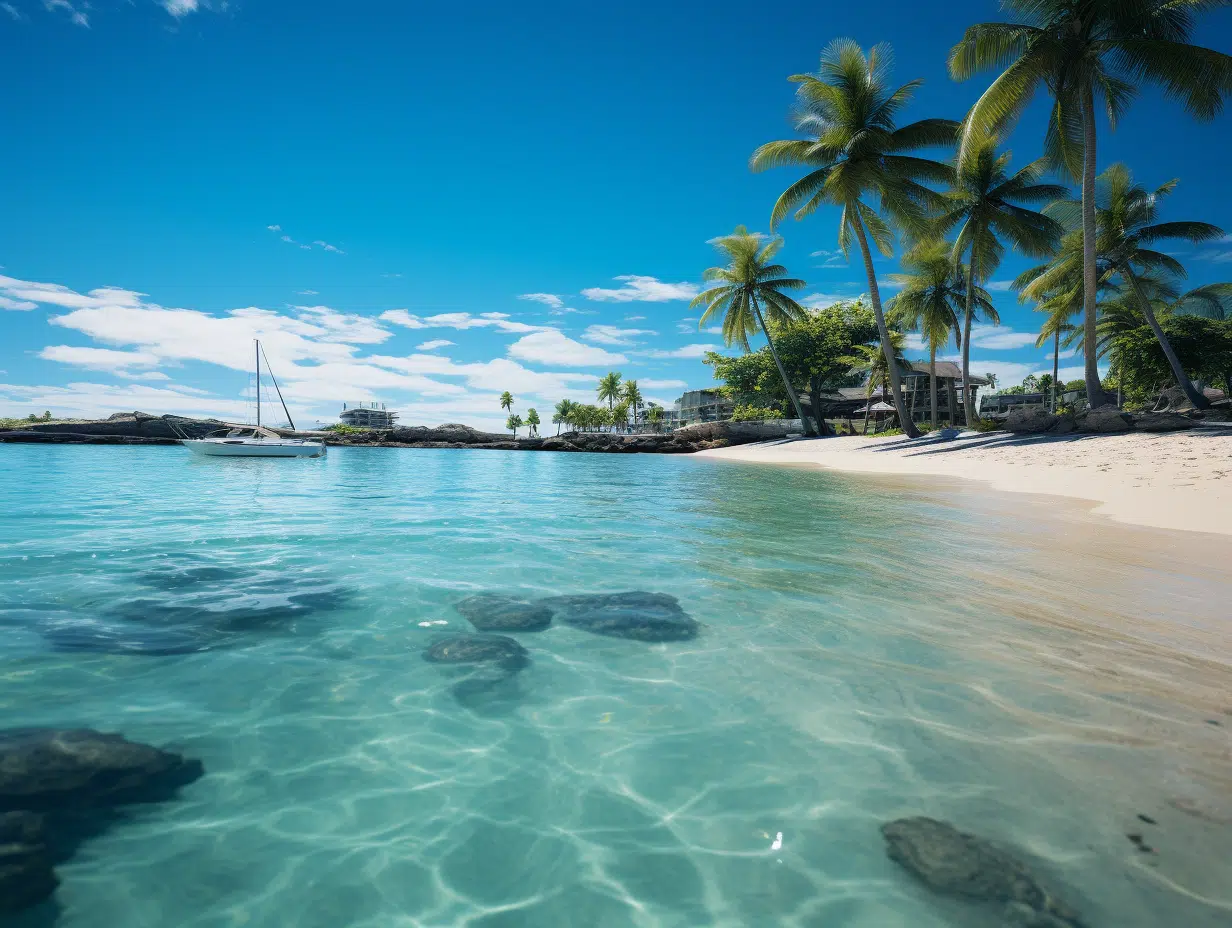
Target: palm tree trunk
(1056,366)
(968,412)
(887,348)
(950,397)
(1182,379)
(1090,291)
(795,400)
(932,381)
(823,430)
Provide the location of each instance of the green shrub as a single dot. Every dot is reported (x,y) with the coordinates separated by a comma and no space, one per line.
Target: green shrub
(986,425)
(754,413)
(341,428)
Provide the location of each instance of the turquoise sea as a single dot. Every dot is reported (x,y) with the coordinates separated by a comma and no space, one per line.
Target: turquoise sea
(869,650)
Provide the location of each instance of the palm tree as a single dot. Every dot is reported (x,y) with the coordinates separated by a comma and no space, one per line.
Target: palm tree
(929,302)
(506,401)
(1213,301)
(565,412)
(633,396)
(1126,228)
(748,282)
(854,152)
(609,388)
(1080,50)
(873,361)
(654,415)
(532,420)
(513,423)
(992,380)
(987,204)
(1057,324)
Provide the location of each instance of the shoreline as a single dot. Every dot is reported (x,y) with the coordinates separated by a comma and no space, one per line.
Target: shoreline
(1177,481)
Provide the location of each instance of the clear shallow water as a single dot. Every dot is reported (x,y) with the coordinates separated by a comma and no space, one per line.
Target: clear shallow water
(869,651)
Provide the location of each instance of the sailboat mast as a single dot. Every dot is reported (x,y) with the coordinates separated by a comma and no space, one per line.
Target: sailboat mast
(258,347)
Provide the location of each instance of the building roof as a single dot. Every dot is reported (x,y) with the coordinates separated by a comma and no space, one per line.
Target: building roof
(950,370)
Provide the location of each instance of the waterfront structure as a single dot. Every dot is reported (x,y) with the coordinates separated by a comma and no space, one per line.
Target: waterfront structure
(368,415)
(699,406)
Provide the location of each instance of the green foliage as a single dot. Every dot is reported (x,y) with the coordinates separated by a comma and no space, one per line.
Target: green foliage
(609,388)
(506,401)
(341,428)
(513,423)
(986,425)
(755,413)
(532,420)
(1203,346)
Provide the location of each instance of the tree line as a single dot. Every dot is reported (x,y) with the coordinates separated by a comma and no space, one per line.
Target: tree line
(957,216)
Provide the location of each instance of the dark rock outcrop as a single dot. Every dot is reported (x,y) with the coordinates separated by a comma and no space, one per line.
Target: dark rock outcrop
(58,786)
(494,612)
(959,864)
(142,429)
(636,615)
(53,770)
(1038,421)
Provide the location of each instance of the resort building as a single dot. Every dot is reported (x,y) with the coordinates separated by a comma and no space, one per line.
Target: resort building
(699,406)
(367,416)
(850,402)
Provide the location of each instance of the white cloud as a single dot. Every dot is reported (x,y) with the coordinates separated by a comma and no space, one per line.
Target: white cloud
(650,383)
(345,327)
(306,292)
(460,321)
(13,11)
(434,344)
(1000,339)
(547,299)
(75,16)
(274,228)
(328,247)
(913,341)
(614,335)
(688,351)
(553,347)
(635,318)
(17,305)
(100,359)
(825,300)
(92,400)
(1219,257)
(638,288)
(999,286)
(178,8)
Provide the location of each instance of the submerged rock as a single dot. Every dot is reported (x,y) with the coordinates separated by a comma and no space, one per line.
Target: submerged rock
(85,633)
(479,649)
(636,615)
(26,874)
(956,863)
(52,770)
(495,612)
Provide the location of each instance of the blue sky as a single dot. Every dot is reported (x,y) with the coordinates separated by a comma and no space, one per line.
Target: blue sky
(376,189)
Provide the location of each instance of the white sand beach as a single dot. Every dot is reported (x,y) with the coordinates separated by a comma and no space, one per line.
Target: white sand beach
(1178,480)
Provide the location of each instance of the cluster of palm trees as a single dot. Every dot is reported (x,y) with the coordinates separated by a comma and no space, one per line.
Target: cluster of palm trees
(515,422)
(958,216)
(623,397)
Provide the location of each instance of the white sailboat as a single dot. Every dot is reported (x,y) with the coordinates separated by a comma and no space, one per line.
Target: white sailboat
(256,441)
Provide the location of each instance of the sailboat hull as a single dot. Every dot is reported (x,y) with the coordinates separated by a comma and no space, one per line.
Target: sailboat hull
(255,448)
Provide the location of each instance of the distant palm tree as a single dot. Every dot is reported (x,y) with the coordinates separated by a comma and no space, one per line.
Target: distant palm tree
(654,415)
(506,401)
(1056,326)
(934,292)
(1081,50)
(609,388)
(620,415)
(747,282)
(1127,227)
(1213,301)
(633,396)
(854,152)
(513,423)
(532,420)
(873,361)
(987,204)
(992,380)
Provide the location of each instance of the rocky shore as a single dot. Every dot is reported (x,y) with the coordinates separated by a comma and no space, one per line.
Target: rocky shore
(143,429)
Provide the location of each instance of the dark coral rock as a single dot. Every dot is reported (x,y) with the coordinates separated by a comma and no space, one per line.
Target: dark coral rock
(636,615)
(959,864)
(44,769)
(494,612)
(478,649)
(26,874)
